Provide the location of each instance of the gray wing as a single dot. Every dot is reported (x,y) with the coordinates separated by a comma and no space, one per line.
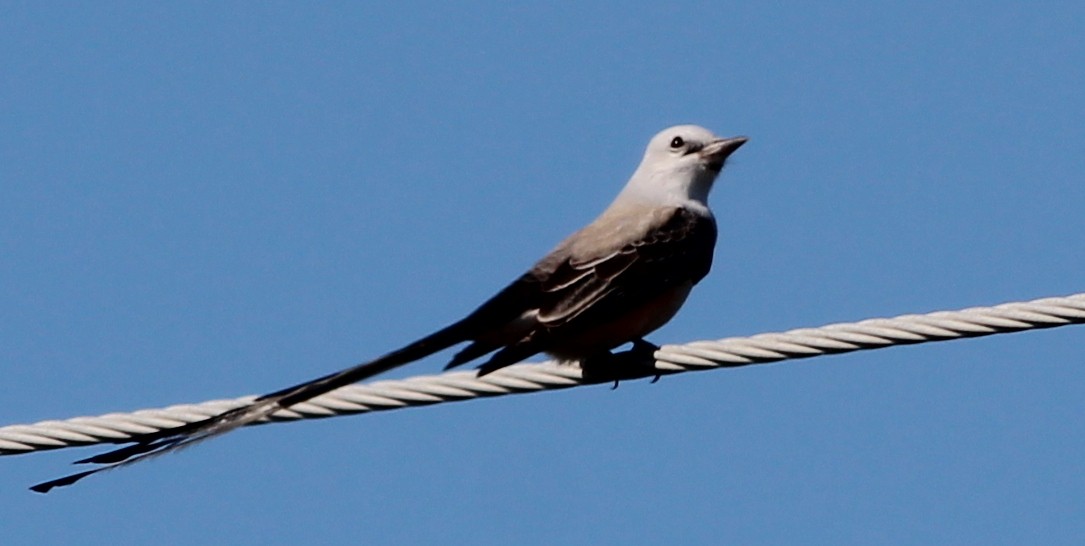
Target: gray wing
(678,251)
(572,292)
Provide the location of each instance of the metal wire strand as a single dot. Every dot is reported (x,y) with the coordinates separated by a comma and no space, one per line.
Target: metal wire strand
(522,378)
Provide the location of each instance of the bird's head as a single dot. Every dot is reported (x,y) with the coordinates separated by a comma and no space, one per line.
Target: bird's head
(680,165)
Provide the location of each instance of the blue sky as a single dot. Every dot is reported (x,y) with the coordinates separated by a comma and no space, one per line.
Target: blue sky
(205,200)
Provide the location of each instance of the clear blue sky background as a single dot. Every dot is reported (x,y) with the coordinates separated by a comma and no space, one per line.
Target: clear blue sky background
(204,200)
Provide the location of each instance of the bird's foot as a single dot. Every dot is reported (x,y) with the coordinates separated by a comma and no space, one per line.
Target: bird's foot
(647,351)
(636,363)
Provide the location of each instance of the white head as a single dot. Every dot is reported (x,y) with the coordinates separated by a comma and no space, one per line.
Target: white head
(679,166)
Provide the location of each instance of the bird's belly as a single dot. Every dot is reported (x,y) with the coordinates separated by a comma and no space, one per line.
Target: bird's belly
(634,324)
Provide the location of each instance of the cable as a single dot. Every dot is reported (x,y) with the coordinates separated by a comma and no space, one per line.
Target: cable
(522,378)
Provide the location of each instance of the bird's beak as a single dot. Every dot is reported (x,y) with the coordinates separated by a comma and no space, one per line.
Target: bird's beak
(715,153)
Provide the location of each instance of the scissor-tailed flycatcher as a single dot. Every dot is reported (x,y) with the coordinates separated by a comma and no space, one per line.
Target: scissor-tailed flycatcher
(614,281)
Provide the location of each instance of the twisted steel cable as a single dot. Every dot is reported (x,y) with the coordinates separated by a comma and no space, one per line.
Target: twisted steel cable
(523,378)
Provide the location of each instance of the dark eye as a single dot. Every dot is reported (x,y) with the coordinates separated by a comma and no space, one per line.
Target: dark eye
(677,142)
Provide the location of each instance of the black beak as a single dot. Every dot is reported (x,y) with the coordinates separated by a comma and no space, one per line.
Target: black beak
(715,153)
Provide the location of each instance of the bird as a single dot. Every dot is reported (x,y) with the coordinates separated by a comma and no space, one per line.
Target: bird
(612,282)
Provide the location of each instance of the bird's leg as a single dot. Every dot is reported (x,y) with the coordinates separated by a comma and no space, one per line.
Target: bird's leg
(599,368)
(635,363)
(646,355)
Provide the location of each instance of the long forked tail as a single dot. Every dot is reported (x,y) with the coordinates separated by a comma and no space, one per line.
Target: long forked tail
(169,440)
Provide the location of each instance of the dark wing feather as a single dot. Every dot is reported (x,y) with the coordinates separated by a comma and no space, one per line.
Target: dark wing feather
(577,295)
(672,254)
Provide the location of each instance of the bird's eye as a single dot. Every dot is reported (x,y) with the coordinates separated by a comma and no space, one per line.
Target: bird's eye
(677,142)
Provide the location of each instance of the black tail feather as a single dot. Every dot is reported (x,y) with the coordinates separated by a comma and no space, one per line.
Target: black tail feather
(164,441)
(438,341)
(510,355)
(45,487)
(470,353)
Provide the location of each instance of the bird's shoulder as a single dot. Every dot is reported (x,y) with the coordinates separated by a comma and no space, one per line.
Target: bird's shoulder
(619,234)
